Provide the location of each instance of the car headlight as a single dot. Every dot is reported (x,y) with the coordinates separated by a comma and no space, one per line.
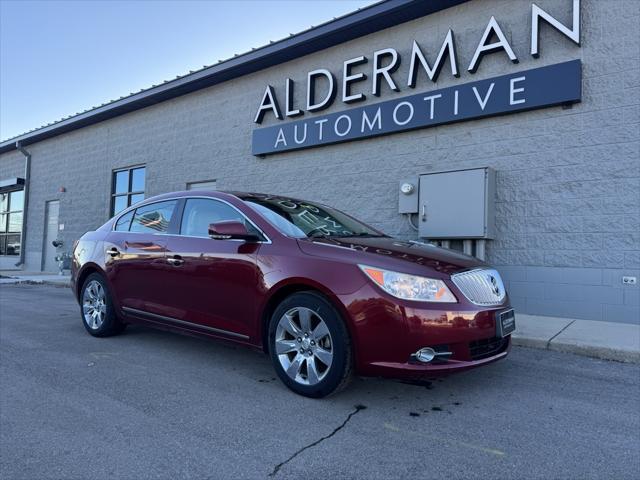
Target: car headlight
(410,287)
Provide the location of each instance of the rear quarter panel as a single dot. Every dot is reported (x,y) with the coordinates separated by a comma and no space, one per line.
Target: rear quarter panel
(88,255)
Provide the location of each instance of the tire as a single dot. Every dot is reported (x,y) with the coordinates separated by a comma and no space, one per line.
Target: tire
(96,308)
(313,373)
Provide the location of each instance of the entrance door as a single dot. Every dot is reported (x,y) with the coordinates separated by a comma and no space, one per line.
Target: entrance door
(52,211)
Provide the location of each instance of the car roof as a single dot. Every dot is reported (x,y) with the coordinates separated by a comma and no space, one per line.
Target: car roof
(223,194)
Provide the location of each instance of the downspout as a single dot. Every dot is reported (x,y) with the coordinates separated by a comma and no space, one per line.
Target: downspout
(25,208)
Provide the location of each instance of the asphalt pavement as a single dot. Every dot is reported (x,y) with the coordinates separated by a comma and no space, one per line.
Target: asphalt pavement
(151,404)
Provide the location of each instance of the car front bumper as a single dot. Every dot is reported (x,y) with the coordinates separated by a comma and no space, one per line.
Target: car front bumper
(387,333)
(414,370)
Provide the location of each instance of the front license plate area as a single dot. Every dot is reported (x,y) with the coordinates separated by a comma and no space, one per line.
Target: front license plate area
(506,323)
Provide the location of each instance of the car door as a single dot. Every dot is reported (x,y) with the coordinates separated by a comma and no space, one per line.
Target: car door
(215,281)
(135,257)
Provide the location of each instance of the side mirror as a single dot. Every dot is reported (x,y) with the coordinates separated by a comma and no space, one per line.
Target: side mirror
(231,230)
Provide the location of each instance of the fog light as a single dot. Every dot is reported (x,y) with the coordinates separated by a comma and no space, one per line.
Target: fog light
(425,355)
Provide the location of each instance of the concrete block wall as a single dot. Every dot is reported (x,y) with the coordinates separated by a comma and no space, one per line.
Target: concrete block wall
(568,180)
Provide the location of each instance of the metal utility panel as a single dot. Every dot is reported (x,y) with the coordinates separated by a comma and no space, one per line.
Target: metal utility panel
(408,196)
(457,204)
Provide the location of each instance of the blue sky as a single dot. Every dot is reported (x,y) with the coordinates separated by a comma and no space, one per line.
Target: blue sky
(58,58)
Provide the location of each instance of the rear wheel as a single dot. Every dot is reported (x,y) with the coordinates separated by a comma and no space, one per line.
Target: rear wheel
(96,308)
(310,346)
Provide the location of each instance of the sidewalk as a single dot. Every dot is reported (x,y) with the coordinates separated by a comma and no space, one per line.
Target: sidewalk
(605,340)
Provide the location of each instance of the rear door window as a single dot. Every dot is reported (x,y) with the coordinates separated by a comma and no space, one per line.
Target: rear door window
(153,218)
(123,223)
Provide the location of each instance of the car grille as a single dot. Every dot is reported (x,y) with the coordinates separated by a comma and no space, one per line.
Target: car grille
(482,287)
(487,347)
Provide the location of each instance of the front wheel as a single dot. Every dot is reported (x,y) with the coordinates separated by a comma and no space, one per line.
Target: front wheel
(310,346)
(97,310)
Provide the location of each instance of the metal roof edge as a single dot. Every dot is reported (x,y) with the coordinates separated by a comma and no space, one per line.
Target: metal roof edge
(370,19)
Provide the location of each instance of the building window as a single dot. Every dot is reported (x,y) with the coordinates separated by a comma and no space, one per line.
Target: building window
(11,207)
(208,185)
(127,188)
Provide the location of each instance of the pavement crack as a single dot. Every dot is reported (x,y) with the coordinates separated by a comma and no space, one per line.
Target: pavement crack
(565,327)
(320,440)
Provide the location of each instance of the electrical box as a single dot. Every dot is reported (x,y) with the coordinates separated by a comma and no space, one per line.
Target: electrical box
(457,204)
(408,199)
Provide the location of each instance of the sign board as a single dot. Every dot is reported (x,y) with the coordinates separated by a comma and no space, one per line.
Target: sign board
(520,91)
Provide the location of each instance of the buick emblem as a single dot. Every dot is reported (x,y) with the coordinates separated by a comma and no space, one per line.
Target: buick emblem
(495,288)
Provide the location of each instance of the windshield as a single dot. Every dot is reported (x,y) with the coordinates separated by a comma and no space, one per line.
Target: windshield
(300,219)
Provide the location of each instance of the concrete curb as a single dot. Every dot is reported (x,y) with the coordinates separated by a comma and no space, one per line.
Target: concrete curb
(529,342)
(58,282)
(604,340)
(602,353)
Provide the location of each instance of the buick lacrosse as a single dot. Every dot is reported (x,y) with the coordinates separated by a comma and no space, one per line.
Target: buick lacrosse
(325,295)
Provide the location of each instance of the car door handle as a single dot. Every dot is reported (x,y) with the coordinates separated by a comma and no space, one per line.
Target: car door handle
(176,260)
(113,252)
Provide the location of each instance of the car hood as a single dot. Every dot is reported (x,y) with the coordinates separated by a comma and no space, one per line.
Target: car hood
(388,252)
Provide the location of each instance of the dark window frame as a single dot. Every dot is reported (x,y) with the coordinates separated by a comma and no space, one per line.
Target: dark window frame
(178,213)
(129,192)
(5,233)
(242,216)
(263,238)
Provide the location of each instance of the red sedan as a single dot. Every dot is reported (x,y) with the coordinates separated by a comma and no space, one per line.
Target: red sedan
(324,294)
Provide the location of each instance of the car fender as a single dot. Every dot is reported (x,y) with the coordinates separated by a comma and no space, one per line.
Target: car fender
(283,287)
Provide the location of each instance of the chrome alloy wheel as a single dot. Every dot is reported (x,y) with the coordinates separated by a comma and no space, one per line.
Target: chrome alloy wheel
(94,304)
(304,346)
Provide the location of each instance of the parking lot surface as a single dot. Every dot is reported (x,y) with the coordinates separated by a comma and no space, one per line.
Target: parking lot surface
(150,404)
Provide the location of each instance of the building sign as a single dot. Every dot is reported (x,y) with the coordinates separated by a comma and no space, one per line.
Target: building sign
(524,90)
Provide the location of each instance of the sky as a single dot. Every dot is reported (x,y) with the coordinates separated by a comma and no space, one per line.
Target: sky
(58,58)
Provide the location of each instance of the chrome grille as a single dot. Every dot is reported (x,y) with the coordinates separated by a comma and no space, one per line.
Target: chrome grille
(482,287)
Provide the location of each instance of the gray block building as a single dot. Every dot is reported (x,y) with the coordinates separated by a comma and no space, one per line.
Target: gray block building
(509,129)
